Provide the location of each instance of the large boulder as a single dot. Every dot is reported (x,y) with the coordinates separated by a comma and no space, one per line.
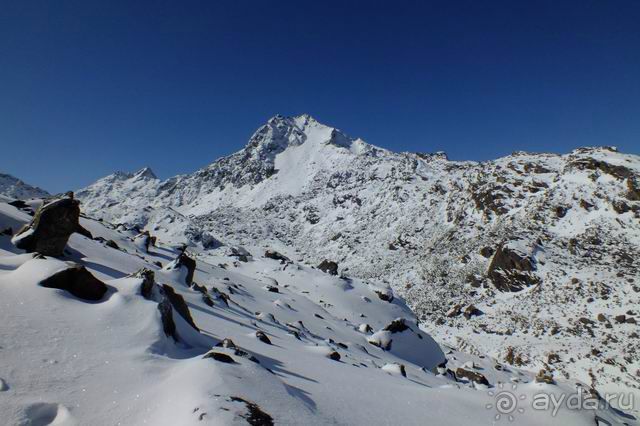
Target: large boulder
(511,269)
(329,267)
(185,265)
(179,304)
(51,227)
(77,281)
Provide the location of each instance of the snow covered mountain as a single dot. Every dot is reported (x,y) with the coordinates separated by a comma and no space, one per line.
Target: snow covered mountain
(530,258)
(125,329)
(15,188)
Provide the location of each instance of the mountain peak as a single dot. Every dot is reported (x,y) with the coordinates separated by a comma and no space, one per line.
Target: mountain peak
(145,173)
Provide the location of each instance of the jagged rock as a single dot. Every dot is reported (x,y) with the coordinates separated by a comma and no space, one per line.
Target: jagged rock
(365,328)
(77,281)
(166,316)
(142,241)
(471,311)
(184,261)
(50,228)
(272,288)
(561,211)
(385,295)
(240,253)
(472,376)
(262,336)
(545,376)
(178,303)
(219,356)
(454,311)
(398,325)
(7,231)
(620,319)
(112,244)
(148,282)
(255,416)
(227,343)
(329,267)
(510,270)
(272,254)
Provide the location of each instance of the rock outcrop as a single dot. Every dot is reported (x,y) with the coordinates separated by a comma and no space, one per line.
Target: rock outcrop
(51,227)
(77,281)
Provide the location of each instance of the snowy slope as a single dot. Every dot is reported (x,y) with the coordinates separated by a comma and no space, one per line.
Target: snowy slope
(430,228)
(15,188)
(67,361)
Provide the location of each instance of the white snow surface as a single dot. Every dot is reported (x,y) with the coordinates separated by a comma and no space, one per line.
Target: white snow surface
(66,361)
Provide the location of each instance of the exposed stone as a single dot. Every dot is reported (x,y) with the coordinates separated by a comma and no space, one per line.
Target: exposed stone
(472,376)
(148,277)
(545,376)
(334,356)
(219,356)
(262,336)
(272,254)
(471,311)
(486,252)
(255,416)
(510,270)
(397,326)
(329,267)
(178,303)
(77,281)
(50,228)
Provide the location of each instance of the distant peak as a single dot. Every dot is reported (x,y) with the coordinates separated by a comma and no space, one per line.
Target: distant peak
(145,173)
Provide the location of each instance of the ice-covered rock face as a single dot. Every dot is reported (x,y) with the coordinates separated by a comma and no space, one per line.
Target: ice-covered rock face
(428,227)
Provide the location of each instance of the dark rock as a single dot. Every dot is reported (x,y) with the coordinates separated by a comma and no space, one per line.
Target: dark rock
(510,270)
(272,289)
(166,316)
(397,326)
(185,261)
(385,296)
(620,206)
(7,231)
(329,267)
(545,376)
(472,376)
(486,252)
(561,211)
(334,356)
(471,311)
(83,231)
(77,281)
(261,335)
(178,303)
(145,238)
(50,228)
(148,282)
(219,356)
(227,343)
(272,254)
(255,416)
(112,244)
(621,319)
(454,311)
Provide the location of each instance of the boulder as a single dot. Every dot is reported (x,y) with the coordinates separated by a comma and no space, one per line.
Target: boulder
(511,270)
(77,281)
(334,356)
(472,376)
(272,254)
(51,227)
(178,303)
(329,267)
(262,336)
(219,356)
(183,261)
(148,282)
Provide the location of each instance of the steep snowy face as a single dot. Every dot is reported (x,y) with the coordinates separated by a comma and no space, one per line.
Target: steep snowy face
(536,247)
(15,188)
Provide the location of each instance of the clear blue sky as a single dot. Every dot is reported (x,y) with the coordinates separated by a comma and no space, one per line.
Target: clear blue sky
(88,87)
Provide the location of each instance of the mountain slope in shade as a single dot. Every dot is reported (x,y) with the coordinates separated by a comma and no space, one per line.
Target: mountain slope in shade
(530,258)
(15,188)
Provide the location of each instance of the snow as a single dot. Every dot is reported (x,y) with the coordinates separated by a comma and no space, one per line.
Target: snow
(312,193)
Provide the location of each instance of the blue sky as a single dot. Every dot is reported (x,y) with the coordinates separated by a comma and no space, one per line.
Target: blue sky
(88,87)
